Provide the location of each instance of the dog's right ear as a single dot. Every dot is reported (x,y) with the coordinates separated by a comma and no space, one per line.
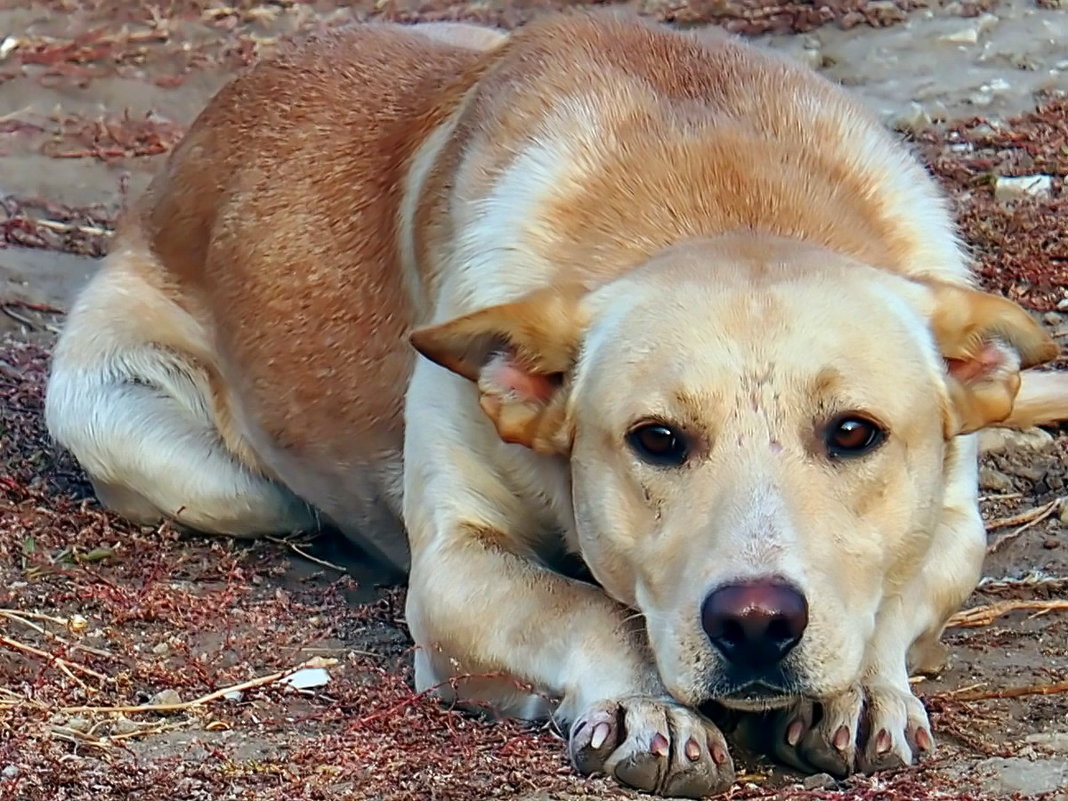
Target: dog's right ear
(520,355)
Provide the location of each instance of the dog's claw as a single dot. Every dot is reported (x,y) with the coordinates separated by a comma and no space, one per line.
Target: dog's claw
(626,739)
(841,738)
(924,742)
(719,754)
(882,741)
(794,732)
(659,746)
(600,734)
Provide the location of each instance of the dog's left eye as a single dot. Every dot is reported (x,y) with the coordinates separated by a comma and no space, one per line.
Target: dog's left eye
(853,435)
(659,444)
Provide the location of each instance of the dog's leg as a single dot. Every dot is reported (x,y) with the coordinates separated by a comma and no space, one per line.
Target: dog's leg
(879,723)
(480,606)
(1042,400)
(477,609)
(137,417)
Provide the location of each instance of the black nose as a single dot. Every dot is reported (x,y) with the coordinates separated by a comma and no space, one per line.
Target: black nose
(754,625)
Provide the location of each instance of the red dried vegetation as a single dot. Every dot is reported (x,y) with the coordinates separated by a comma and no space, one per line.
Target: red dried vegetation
(38,223)
(1022,247)
(107,138)
(128,38)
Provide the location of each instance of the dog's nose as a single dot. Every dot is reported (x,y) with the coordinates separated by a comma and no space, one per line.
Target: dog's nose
(754,625)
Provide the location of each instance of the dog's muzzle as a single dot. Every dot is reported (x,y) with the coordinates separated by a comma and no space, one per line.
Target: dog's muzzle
(754,626)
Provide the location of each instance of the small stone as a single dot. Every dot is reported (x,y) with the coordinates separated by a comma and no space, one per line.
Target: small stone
(1052,741)
(1006,440)
(79,724)
(123,725)
(1051,543)
(1015,775)
(1014,188)
(9,771)
(166,698)
(969,35)
(913,119)
(811,58)
(1064,513)
(1052,318)
(986,22)
(819,781)
(8,46)
(1062,304)
(161,648)
(850,20)
(1030,472)
(994,480)
(885,12)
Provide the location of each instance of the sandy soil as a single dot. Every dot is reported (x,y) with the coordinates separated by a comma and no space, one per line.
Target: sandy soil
(98,617)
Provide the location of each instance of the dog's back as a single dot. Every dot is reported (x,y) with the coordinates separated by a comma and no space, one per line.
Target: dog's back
(209,367)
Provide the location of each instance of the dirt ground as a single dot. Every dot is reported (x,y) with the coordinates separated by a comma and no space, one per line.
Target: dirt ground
(99,619)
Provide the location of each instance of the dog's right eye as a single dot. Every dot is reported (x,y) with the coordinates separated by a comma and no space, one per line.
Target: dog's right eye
(659,444)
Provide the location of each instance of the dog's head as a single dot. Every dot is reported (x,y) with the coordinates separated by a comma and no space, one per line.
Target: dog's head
(757,433)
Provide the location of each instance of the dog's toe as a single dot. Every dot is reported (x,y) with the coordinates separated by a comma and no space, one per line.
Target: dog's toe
(594,736)
(863,729)
(820,737)
(654,745)
(898,730)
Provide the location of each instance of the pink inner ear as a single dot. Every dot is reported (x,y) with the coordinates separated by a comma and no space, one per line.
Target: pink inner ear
(507,377)
(989,359)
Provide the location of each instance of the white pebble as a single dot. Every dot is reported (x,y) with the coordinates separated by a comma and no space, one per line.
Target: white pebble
(969,35)
(1007,189)
(305,678)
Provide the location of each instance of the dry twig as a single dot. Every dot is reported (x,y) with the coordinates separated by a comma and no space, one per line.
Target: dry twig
(1009,692)
(302,553)
(60,663)
(1030,518)
(1034,580)
(204,699)
(985,615)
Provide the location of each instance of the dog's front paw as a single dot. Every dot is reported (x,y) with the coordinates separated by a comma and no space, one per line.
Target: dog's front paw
(652,744)
(862,730)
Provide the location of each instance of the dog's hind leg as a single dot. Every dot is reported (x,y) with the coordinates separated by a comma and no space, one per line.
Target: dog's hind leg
(135,408)
(1042,400)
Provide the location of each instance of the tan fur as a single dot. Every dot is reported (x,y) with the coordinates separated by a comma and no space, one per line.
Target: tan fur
(584,226)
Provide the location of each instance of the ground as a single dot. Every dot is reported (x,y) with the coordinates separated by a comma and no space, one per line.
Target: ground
(99,618)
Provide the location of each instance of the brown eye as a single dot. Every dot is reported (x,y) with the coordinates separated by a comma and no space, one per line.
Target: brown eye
(853,435)
(659,444)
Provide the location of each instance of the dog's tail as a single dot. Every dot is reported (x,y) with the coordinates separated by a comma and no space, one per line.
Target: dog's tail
(1042,400)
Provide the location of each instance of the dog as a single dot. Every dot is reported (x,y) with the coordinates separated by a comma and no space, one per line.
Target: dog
(690,413)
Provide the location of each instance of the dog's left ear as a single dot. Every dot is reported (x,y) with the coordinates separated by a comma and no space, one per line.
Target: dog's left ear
(520,355)
(986,340)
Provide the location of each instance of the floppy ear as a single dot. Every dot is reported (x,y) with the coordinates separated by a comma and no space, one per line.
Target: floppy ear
(519,354)
(986,340)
